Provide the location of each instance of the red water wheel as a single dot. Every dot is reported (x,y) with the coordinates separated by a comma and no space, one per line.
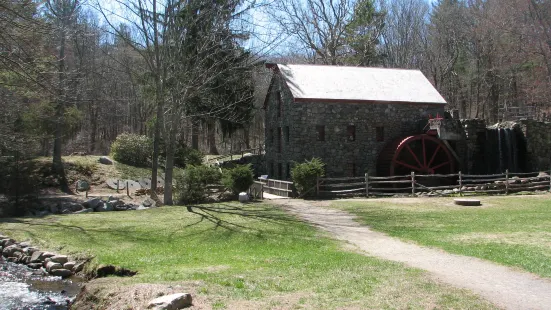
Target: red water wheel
(422,154)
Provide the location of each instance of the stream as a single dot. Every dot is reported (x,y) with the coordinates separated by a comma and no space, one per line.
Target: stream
(26,289)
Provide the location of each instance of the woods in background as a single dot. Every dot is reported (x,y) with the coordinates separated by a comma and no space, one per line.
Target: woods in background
(74,75)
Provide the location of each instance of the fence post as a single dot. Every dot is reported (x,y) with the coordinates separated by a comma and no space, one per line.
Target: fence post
(317,186)
(118,186)
(262,191)
(413,183)
(550,180)
(127,190)
(367,185)
(460,184)
(507,182)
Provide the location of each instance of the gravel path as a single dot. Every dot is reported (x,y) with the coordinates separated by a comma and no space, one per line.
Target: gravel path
(503,286)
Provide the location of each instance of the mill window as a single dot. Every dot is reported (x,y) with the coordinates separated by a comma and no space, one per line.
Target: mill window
(286,134)
(271,136)
(279,139)
(321,132)
(279,104)
(351,132)
(351,169)
(380,133)
(280,171)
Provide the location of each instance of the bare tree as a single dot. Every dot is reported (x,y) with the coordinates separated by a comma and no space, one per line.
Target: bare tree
(327,31)
(64,13)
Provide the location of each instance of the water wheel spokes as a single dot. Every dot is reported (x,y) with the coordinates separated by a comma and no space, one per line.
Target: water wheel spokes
(423,154)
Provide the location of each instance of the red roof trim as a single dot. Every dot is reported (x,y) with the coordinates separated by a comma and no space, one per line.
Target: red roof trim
(352,101)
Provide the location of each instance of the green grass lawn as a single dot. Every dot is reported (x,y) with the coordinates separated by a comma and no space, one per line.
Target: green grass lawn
(239,253)
(514,231)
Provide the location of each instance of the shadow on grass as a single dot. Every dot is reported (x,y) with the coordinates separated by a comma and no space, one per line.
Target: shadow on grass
(230,217)
(221,215)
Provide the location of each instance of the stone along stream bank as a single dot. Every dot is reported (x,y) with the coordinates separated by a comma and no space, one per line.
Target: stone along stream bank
(33,279)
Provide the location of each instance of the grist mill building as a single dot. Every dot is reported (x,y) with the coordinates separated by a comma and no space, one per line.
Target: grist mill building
(355,119)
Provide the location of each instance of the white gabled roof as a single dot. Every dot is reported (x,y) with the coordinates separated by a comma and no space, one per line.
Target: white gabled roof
(358,84)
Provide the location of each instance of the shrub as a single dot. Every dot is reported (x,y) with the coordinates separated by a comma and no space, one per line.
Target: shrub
(185,156)
(132,149)
(191,184)
(239,178)
(305,175)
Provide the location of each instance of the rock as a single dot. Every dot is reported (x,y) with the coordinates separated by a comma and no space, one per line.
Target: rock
(120,208)
(11,250)
(43,213)
(171,302)
(105,207)
(48,254)
(92,203)
(142,208)
(148,203)
(85,211)
(37,257)
(50,266)
(78,267)
(60,259)
(116,203)
(29,250)
(66,211)
(12,259)
(54,209)
(243,197)
(105,160)
(7,242)
(69,265)
(64,273)
(72,206)
(25,244)
(34,265)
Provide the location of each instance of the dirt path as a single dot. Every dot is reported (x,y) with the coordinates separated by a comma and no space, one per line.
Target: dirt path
(500,285)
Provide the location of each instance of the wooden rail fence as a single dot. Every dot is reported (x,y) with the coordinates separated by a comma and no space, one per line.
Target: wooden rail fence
(433,185)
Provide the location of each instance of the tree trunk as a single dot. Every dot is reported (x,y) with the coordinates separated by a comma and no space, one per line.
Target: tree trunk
(57,164)
(169,166)
(211,136)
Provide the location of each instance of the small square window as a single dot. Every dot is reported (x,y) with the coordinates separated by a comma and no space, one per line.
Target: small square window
(321,132)
(380,133)
(351,132)
(286,133)
(351,169)
(279,139)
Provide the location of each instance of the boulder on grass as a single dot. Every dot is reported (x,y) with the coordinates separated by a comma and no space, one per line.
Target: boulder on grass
(149,203)
(92,203)
(105,160)
(171,302)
